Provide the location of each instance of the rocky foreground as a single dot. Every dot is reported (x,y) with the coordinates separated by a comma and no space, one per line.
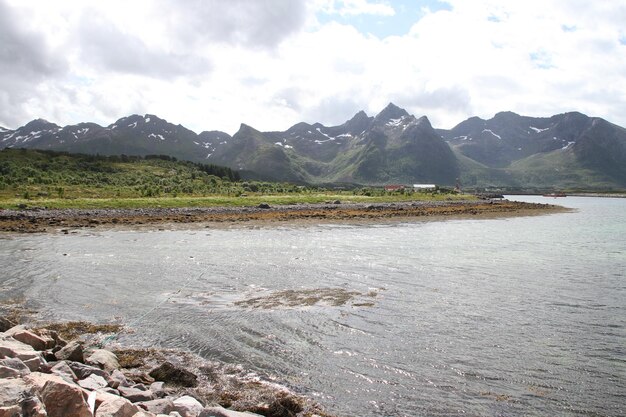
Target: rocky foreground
(41,374)
(31,220)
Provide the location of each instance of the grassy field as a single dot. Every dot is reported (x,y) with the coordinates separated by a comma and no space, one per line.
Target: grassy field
(56,180)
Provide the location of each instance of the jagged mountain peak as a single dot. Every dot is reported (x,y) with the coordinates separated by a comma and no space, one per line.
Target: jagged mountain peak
(391,112)
(39,125)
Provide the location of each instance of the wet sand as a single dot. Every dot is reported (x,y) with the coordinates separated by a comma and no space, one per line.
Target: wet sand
(44,220)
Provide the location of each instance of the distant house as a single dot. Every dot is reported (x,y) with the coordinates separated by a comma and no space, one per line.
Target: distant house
(419,187)
(394,187)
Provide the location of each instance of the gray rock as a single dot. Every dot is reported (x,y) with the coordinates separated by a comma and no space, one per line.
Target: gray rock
(93,382)
(63,370)
(116,407)
(61,398)
(104,359)
(222,412)
(188,406)
(11,348)
(140,387)
(172,374)
(24,335)
(161,406)
(264,206)
(82,371)
(117,379)
(158,389)
(73,351)
(6,324)
(13,368)
(135,395)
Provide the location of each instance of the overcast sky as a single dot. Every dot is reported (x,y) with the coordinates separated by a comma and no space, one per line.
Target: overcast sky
(213,64)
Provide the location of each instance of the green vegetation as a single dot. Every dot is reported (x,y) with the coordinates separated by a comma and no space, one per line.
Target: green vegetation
(60,180)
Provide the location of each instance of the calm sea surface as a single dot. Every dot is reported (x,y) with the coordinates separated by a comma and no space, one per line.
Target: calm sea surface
(517,316)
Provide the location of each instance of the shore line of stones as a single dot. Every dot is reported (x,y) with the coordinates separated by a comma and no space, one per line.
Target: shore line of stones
(42,375)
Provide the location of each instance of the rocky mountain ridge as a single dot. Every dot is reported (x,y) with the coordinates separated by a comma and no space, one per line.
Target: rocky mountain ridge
(509,150)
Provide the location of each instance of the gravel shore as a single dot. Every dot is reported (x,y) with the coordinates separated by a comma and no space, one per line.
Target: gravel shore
(33,220)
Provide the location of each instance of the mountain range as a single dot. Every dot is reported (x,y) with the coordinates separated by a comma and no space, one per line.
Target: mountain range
(568,150)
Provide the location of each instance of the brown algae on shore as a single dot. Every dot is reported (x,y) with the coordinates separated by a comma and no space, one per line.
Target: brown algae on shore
(334,297)
(72,330)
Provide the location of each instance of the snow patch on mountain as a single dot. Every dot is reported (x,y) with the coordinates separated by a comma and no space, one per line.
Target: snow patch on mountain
(494,134)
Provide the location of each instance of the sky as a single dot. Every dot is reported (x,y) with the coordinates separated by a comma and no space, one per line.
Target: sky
(214,64)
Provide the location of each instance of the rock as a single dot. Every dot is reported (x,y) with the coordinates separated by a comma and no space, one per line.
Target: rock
(13,368)
(61,398)
(117,379)
(140,387)
(73,351)
(161,406)
(172,374)
(158,389)
(82,371)
(143,414)
(222,412)
(110,390)
(52,338)
(116,407)
(188,406)
(11,348)
(6,324)
(263,206)
(23,335)
(11,390)
(175,414)
(63,370)
(93,382)
(337,202)
(135,395)
(104,359)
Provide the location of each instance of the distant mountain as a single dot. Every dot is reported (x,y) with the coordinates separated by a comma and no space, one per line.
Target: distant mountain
(132,135)
(568,150)
(391,147)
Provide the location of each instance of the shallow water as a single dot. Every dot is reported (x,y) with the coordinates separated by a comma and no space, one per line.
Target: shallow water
(508,316)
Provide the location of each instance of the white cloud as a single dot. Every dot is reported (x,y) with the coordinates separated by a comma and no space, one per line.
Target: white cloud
(272,63)
(355,7)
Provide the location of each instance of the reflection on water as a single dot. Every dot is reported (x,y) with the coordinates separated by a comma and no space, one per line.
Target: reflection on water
(519,316)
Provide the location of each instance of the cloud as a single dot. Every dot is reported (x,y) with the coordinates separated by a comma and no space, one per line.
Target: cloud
(214,64)
(258,23)
(25,61)
(356,7)
(105,46)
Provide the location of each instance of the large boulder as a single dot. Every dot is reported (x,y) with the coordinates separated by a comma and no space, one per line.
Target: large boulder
(73,351)
(116,407)
(11,391)
(93,382)
(11,348)
(82,371)
(63,370)
(169,373)
(160,406)
(104,359)
(61,398)
(13,368)
(222,412)
(6,324)
(135,394)
(117,379)
(188,406)
(23,335)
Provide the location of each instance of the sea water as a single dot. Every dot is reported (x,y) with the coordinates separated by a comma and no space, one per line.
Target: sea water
(514,316)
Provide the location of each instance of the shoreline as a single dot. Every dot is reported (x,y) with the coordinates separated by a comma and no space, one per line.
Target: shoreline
(126,380)
(38,220)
